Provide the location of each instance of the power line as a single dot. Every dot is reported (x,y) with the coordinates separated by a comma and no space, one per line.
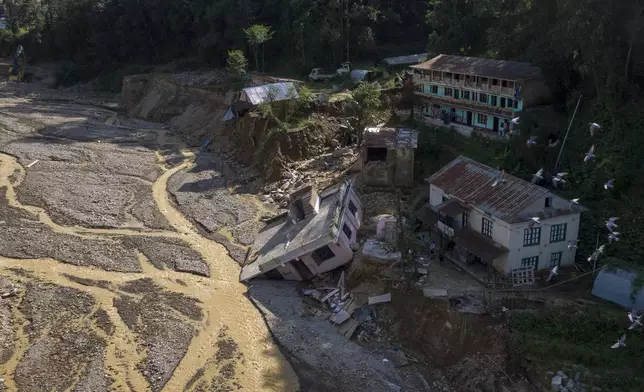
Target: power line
(567,131)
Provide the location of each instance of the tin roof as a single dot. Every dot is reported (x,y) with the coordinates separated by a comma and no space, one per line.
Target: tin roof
(616,286)
(271,92)
(498,69)
(409,59)
(390,137)
(471,182)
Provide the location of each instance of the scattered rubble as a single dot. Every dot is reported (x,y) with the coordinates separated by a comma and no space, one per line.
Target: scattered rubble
(574,379)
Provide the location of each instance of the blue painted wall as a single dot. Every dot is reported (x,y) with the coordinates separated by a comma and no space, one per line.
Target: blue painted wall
(441,93)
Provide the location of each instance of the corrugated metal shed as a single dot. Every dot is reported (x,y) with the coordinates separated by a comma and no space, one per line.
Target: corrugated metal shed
(615,286)
(471,181)
(271,92)
(501,69)
(409,59)
(390,137)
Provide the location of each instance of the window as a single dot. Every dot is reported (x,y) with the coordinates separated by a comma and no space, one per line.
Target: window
(530,261)
(474,96)
(434,89)
(555,259)
(516,104)
(502,102)
(376,154)
(504,83)
(352,208)
(322,254)
(347,230)
(548,203)
(493,100)
(484,80)
(483,98)
(495,82)
(457,76)
(466,94)
(510,102)
(448,92)
(558,232)
(486,227)
(532,236)
(448,75)
(456,93)
(466,218)
(481,118)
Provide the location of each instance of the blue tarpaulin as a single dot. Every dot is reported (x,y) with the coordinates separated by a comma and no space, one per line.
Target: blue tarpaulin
(616,286)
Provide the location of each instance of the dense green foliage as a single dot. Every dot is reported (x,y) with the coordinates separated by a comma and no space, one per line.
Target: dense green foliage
(237,63)
(564,337)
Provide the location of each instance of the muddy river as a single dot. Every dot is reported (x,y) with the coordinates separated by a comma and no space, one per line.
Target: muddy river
(259,367)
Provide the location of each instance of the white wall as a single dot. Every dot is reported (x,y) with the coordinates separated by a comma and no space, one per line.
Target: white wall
(435,196)
(545,248)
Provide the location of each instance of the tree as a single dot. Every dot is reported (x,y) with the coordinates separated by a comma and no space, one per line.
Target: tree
(237,63)
(257,35)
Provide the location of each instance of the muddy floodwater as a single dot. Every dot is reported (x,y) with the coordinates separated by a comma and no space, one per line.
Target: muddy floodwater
(159,307)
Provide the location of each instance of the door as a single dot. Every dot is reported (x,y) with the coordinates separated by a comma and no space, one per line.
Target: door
(452,114)
(502,102)
(469,118)
(496,124)
(302,269)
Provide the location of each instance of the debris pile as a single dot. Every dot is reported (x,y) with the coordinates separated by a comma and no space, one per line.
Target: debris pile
(346,311)
(580,380)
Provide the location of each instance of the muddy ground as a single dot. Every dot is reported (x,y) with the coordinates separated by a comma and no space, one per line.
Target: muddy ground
(115,290)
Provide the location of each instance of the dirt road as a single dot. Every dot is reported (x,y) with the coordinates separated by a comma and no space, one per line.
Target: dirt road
(116,289)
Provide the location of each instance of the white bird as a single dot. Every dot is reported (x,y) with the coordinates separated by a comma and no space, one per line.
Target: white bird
(572,244)
(538,176)
(558,179)
(609,184)
(610,224)
(636,322)
(594,127)
(553,273)
(515,121)
(500,180)
(613,236)
(601,249)
(574,202)
(620,342)
(532,141)
(534,221)
(590,154)
(633,315)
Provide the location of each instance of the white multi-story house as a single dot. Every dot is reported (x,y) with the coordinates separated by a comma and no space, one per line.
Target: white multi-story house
(487,213)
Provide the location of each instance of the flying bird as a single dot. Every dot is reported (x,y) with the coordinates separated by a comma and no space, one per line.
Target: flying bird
(609,184)
(558,179)
(594,127)
(515,121)
(613,236)
(574,202)
(532,141)
(610,224)
(636,322)
(572,244)
(620,342)
(538,176)
(534,221)
(601,249)
(590,154)
(553,272)
(500,180)
(633,315)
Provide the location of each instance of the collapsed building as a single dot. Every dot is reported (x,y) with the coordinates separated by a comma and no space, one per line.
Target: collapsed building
(388,156)
(317,234)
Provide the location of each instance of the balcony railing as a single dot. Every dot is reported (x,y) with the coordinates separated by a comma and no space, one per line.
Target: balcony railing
(466,84)
(468,103)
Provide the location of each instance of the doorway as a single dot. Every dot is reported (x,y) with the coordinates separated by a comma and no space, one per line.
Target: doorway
(496,124)
(469,118)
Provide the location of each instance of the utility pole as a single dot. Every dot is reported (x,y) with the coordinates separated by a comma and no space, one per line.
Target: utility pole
(567,131)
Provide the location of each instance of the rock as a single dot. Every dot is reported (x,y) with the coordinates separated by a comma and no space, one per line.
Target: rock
(560,373)
(556,381)
(334,143)
(570,384)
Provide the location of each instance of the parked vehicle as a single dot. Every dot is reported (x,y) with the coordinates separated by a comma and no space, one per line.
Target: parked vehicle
(319,73)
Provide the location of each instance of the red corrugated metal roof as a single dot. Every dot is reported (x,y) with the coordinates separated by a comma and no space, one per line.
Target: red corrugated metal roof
(471,182)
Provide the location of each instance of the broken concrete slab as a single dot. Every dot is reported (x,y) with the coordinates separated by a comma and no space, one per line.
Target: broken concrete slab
(435,293)
(340,317)
(349,328)
(380,299)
